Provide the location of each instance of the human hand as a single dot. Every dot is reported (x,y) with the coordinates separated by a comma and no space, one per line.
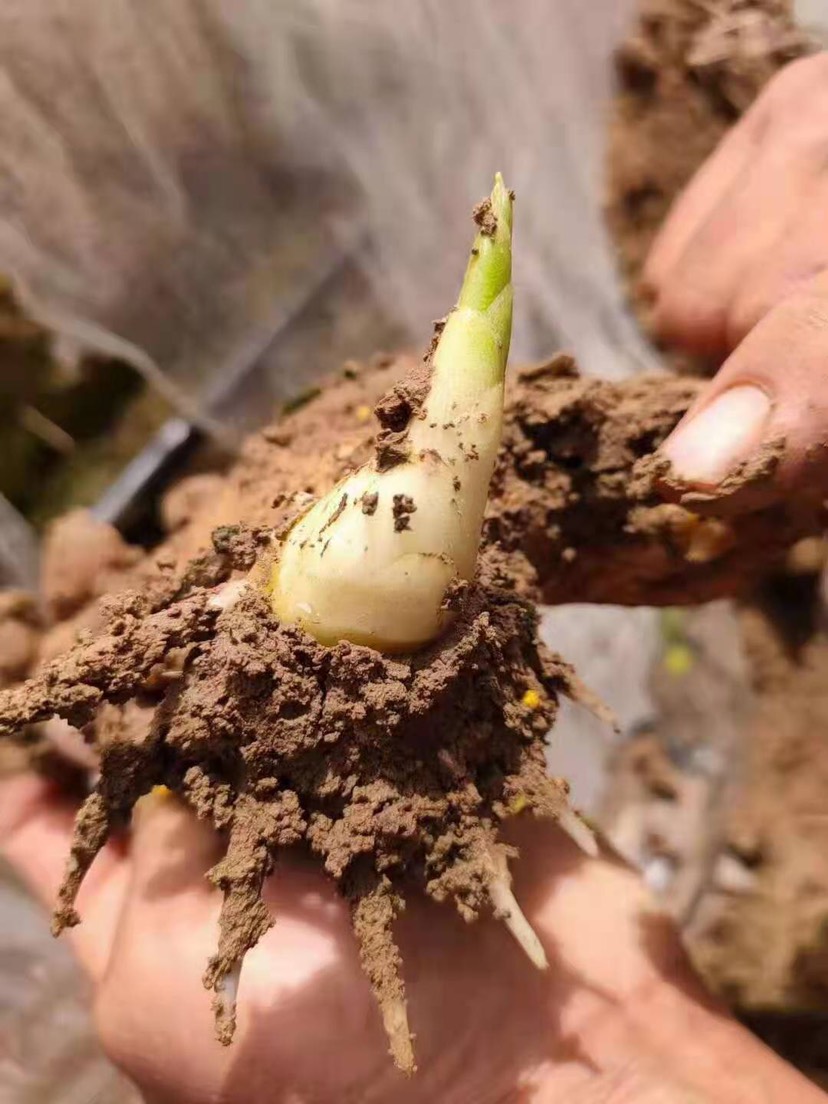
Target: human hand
(618,1016)
(742,264)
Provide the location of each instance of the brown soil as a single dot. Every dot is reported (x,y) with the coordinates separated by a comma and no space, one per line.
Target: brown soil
(766,949)
(685,74)
(394,772)
(576,480)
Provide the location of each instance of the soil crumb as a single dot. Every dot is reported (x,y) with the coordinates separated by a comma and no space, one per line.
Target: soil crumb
(485,218)
(402,510)
(369,503)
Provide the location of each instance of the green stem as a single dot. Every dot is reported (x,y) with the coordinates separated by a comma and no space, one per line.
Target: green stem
(473,348)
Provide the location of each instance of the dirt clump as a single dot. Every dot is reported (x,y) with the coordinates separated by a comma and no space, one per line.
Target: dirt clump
(82,559)
(485,217)
(685,74)
(393,771)
(404,506)
(577,509)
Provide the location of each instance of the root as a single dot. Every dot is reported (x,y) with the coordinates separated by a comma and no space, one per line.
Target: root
(374,910)
(578,831)
(92,829)
(258,829)
(579,693)
(548,797)
(227,596)
(226,990)
(509,911)
(128,771)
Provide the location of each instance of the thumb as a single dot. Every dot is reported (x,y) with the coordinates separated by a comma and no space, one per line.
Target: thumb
(760,430)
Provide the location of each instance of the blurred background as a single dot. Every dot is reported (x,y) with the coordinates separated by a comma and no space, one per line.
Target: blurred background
(206,205)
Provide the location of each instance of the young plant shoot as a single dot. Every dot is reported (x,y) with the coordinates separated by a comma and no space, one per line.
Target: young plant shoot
(364,685)
(372,562)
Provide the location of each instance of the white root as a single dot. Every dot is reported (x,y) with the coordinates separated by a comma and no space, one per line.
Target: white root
(578,831)
(226,995)
(509,911)
(227,596)
(395,1022)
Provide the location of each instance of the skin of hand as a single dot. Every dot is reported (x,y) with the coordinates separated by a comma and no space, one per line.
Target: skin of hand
(741,267)
(618,1017)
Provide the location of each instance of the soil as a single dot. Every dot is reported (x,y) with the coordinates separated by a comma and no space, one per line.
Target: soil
(281,742)
(766,949)
(685,75)
(576,478)
(393,771)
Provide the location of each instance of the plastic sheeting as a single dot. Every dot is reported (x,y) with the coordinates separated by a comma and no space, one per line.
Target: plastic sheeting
(172,170)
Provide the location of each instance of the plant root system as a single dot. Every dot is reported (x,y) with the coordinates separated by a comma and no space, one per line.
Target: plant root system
(393,771)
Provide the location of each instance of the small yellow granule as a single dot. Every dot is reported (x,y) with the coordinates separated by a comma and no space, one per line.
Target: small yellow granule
(531,699)
(679,659)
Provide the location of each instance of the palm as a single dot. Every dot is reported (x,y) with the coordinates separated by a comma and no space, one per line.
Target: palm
(489,1028)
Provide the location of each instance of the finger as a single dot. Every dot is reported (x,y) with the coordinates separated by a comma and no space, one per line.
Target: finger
(739,236)
(792,102)
(36,827)
(68,743)
(151,1002)
(770,397)
(701,196)
(798,258)
(172,851)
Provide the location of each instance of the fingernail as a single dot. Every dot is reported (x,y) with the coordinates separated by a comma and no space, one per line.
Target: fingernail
(727,431)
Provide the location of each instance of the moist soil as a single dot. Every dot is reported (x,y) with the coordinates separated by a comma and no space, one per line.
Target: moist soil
(685,74)
(394,772)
